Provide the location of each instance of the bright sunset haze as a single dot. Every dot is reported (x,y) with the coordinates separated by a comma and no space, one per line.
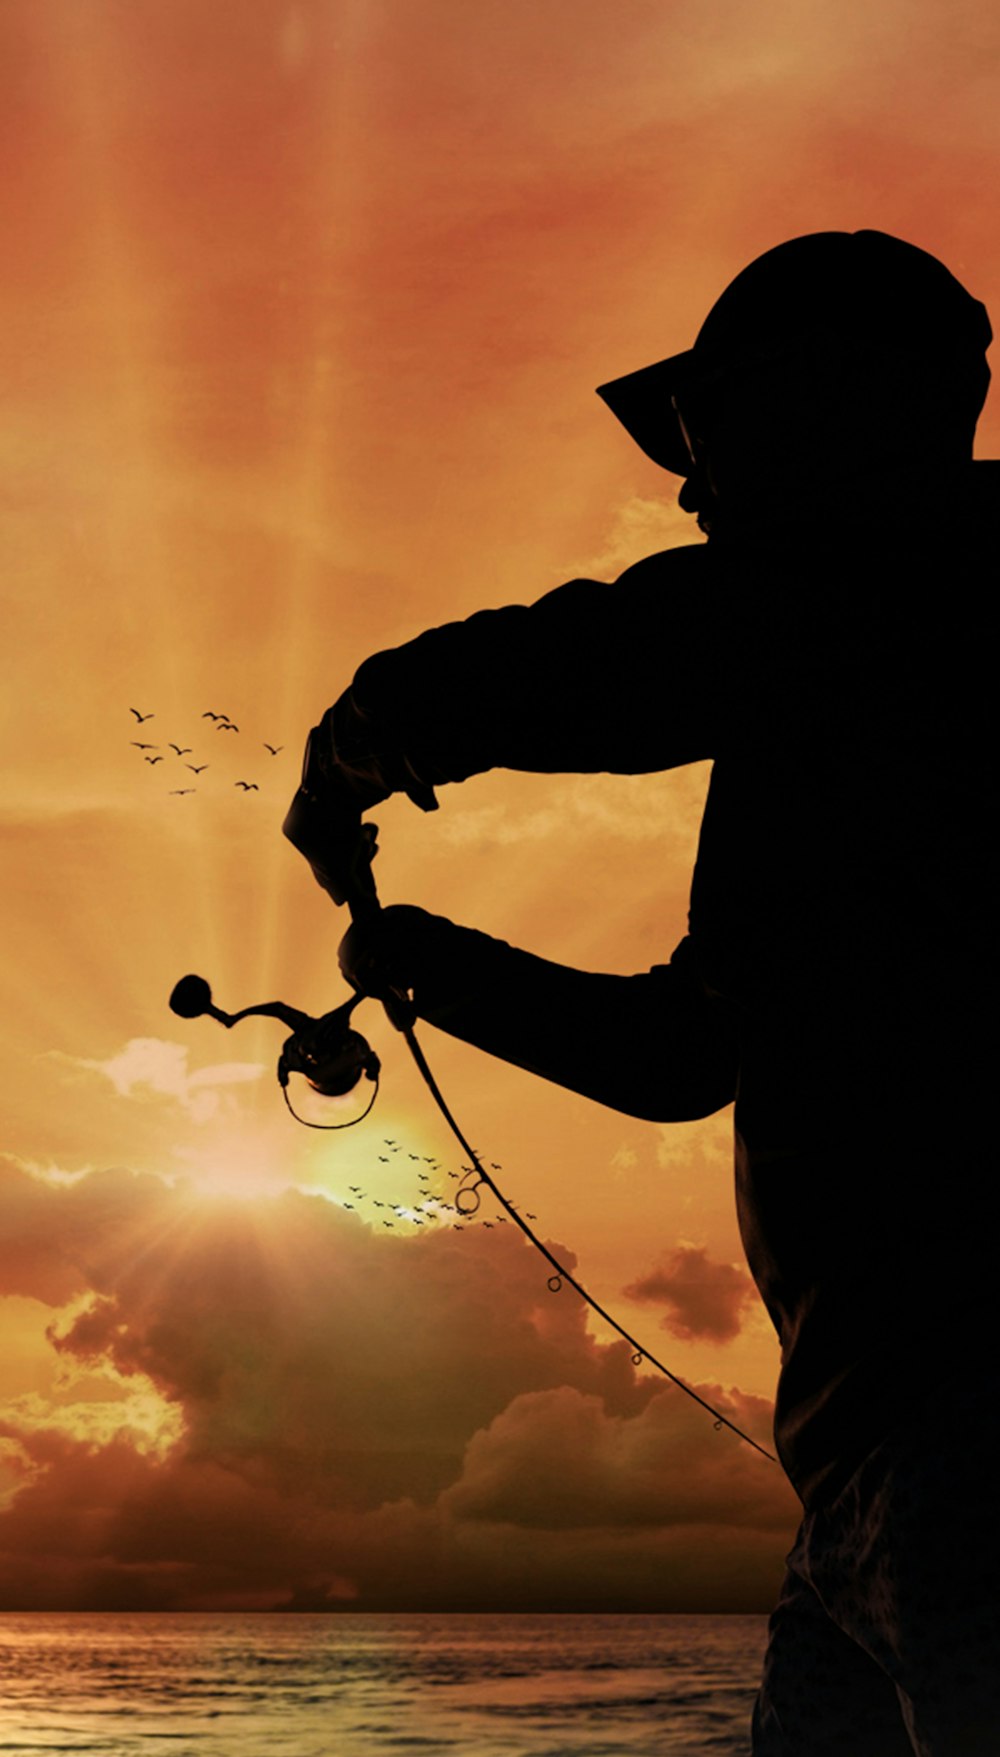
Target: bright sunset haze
(303,308)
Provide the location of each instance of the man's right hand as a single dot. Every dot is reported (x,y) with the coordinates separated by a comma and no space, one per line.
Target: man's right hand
(349,766)
(339,848)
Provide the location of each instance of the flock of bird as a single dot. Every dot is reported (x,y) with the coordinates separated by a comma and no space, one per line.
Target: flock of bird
(221,723)
(430,1206)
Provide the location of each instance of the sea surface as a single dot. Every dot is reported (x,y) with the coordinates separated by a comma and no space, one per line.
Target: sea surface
(283,1685)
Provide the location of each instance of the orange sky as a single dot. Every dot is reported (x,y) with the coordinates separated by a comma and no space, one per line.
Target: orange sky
(302,308)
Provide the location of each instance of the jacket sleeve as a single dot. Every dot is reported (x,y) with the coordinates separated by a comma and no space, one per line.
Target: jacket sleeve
(656,1046)
(622,678)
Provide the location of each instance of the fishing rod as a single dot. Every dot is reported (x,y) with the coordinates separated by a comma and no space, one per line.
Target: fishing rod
(333,1057)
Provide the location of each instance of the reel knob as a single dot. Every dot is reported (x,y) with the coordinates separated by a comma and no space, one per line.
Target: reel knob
(191,997)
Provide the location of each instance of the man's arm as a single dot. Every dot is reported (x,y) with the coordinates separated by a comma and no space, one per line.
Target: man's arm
(625,678)
(655,1046)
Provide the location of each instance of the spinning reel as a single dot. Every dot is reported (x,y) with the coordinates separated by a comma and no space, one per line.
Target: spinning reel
(327,1051)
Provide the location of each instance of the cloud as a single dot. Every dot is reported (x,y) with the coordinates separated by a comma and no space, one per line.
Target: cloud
(663,808)
(695,1150)
(36,1255)
(155,1066)
(703,1299)
(640,527)
(560,1460)
(295,1409)
(61,1240)
(17,1468)
(624,1159)
(139,1418)
(294,1339)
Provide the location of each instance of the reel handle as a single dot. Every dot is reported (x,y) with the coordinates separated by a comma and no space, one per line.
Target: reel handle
(191,998)
(327,1051)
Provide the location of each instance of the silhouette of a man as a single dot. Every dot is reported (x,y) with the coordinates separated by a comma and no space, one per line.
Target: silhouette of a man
(830,650)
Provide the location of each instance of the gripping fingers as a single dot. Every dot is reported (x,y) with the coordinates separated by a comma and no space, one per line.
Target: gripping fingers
(370,959)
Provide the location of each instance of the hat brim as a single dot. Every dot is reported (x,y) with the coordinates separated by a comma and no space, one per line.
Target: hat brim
(641,402)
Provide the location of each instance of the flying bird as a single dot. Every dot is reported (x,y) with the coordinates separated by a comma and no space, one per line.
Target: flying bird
(152,759)
(135,742)
(179,790)
(273,748)
(389,1223)
(140,717)
(185,752)
(383,1158)
(226,726)
(247,786)
(532,1216)
(196,770)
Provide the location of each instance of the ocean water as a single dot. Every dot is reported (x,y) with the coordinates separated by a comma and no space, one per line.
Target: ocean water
(276,1685)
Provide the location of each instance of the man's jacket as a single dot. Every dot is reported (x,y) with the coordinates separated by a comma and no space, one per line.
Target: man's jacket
(839,977)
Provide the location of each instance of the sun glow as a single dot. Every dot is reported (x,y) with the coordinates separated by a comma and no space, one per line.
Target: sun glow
(243,1161)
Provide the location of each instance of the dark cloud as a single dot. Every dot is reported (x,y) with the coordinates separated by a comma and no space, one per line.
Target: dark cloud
(300,1346)
(704,1300)
(60,1239)
(385,1422)
(35,1255)
(560,1460)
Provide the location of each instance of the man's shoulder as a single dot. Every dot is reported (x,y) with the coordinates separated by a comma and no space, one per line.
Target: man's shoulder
(651,585)
(694,590)
(688,565)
